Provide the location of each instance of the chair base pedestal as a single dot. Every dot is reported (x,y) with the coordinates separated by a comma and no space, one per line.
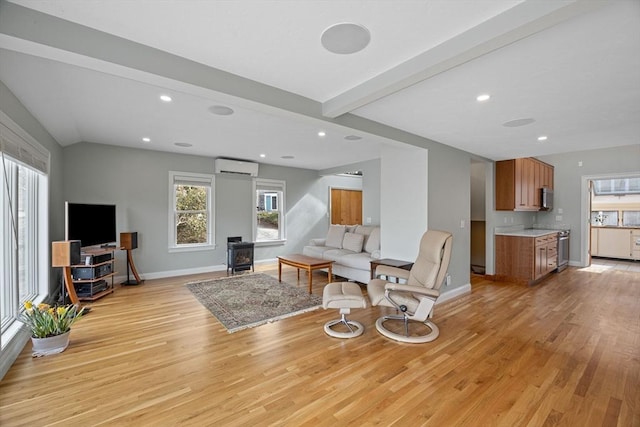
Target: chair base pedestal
(420,339)
(343,296)
(355,328)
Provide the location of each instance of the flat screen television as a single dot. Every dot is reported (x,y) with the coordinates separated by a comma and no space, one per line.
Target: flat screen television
(93,225)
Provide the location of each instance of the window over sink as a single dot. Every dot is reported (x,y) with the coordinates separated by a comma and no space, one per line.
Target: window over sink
(604,218)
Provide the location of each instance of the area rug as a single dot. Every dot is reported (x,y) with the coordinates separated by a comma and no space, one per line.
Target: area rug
(250,300)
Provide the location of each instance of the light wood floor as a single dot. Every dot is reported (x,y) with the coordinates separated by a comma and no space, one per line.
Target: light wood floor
(565,352)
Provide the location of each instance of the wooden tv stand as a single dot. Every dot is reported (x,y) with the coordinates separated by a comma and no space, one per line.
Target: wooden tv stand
(97,265)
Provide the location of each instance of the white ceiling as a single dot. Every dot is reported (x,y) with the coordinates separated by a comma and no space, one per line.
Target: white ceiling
(572,66)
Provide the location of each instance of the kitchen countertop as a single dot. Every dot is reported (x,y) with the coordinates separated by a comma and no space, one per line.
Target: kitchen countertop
(529,232)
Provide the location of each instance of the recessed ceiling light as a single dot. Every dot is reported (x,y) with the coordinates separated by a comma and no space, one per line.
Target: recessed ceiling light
(321,133)
(263,155)
(145,139)
(352,137)
(287,157)
(183,144)
(483,97)
(542,138)
(165,98)
(221,110)
(345,38)
(518,122)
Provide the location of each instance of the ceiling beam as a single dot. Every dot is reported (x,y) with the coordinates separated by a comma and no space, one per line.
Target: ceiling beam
(522,20)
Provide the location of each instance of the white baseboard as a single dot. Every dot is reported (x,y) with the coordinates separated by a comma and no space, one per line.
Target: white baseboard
(174,273)
(454,293)
(187,271)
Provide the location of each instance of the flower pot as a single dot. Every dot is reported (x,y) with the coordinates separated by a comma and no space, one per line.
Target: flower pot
(50,345)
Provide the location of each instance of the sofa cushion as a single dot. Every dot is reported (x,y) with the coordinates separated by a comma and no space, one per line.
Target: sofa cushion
(335,236)
(365,230)
(373,242)
(335,254)
(361,261)
(315,251)
(318,242)
(353,242)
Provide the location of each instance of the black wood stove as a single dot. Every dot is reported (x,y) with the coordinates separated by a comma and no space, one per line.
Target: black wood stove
(239,255)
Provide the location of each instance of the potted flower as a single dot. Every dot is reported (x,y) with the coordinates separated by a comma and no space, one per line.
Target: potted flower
(50,326)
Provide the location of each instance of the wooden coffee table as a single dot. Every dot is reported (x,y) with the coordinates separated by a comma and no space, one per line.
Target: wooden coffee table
(305,262)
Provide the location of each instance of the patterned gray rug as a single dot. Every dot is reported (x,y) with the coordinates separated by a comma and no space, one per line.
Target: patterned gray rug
(246,301)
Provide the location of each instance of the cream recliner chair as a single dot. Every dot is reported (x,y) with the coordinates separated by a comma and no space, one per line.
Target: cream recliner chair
(415,298)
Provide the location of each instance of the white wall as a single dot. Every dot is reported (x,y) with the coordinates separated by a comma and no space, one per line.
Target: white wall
(478,191)
(403,211)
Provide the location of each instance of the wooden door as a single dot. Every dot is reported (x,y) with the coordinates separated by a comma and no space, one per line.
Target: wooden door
(346,206)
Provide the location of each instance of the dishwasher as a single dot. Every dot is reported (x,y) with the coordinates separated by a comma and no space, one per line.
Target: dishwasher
(563,249)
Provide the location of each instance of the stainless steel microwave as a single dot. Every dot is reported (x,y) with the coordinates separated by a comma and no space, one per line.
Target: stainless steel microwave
(546,199)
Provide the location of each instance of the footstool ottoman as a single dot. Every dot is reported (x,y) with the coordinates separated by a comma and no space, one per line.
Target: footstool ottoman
(344,296)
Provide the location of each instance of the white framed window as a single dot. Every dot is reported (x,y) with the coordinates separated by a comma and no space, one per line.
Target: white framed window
(191,211)
(269,220)
(24,224)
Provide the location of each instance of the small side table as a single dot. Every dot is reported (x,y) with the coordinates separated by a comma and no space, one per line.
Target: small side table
(405,265)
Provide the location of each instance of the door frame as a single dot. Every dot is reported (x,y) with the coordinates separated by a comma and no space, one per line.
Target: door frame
(585,210)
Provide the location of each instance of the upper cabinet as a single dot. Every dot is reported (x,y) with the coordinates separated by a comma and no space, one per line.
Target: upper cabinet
(518,184)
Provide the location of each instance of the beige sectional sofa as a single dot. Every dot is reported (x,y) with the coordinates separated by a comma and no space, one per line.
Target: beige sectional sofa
(352,247)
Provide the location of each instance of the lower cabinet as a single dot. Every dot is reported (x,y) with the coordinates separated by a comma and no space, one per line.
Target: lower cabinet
(635,244)
(615,242)
(546,255)
(526,259)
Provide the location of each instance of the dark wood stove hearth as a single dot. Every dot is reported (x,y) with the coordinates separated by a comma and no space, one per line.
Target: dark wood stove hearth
(239,255)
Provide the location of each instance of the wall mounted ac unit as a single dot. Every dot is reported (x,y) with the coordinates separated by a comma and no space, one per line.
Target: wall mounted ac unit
(239,167)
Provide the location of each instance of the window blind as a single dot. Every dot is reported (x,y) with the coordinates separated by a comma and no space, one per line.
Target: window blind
(192,180)
(21,147)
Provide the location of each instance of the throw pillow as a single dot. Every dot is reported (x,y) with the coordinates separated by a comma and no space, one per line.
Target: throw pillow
(353,242)
(335,236)
(373,242)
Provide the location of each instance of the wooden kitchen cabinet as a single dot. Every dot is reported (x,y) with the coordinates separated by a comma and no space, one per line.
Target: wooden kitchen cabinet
(546,249)
(526,259)
(518,183)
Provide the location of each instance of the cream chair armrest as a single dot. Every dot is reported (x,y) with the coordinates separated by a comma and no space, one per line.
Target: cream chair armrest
(375,254)
(386,270)
(317,242)
(413,289)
